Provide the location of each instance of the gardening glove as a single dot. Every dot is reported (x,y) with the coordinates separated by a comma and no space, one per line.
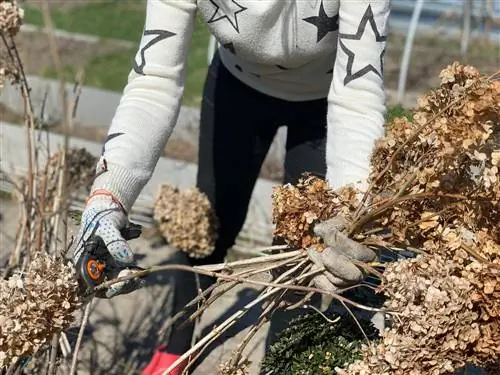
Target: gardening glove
(105,219)
(336,258)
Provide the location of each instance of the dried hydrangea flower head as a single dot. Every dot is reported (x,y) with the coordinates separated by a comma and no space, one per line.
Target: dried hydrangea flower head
(435,187)
(439,327)
(186,220)
(297,208)
(80,165)
(451,155)
(8,70)
(11,17)
(35,305)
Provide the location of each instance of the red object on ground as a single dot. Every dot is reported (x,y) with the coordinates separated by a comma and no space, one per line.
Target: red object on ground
(161,361)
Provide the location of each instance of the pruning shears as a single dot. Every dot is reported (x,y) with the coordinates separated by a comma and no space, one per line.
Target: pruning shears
(96,264)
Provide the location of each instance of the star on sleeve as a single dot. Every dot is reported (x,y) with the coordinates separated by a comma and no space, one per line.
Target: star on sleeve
(150,104)
(227,10)
(356,98)
(362,63)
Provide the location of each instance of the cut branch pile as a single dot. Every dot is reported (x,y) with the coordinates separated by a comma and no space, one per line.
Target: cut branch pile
(434,188)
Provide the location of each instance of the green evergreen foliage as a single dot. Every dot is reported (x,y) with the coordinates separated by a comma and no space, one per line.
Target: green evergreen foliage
(312,345)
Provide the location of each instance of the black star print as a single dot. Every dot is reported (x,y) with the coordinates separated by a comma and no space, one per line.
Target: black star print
(350,76)
(229,11)
(281,67)
(324,23)
(229,47)
(161,35)
(109,138)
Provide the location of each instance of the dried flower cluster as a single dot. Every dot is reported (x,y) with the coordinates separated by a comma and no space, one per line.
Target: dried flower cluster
(439,327)
(227,369)
(186,220)
(8,72)
(447,175)
(11,17)
(435,186)
(80,165)
(35,305)
(297,208)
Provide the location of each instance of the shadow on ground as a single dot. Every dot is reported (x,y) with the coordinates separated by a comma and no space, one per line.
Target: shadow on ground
(122,333)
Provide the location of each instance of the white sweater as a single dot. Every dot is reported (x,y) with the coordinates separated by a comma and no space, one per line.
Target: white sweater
(284,48)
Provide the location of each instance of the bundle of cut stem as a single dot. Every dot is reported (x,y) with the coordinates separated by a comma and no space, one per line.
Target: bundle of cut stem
(441,195)
(435,190)
(434,187)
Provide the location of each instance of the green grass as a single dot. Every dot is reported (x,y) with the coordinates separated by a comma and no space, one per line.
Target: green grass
(398,111)
(121,20)
(110,19)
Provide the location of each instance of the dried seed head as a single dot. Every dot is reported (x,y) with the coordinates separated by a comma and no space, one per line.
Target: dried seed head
(440,195)
(35,305)
(297,208)
(80,165)
(11,17)
(186,219)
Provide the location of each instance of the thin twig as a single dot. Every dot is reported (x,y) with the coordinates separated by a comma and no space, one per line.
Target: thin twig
(253,261)
(200,270)
(301,302)
(367,267)
(356,321)
(53,355)
(225,289)
(225,325)
(361,209)
(390,203)
(323,315)
(67,115)
(263,318)
(85,319)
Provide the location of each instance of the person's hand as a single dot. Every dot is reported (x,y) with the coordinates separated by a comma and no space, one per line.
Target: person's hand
(105,218)
(336,258)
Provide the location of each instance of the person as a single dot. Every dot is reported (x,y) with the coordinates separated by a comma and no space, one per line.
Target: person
(314,66)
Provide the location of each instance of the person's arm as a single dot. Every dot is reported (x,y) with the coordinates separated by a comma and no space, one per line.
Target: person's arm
(356,112)
(150,104)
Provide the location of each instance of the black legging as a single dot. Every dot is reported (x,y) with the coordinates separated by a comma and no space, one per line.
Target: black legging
(237,126)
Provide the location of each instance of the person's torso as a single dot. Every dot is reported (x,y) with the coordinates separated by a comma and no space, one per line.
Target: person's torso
(285,48)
